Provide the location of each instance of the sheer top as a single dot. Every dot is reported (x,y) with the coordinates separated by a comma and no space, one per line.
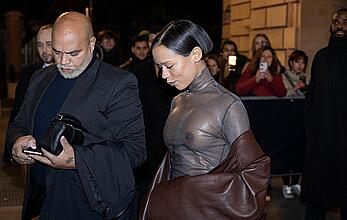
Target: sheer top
(203,123)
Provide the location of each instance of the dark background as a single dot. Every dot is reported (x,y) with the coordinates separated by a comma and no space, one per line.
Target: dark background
(126,17)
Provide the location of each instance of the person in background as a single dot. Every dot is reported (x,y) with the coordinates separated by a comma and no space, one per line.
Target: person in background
(32,204)
(212,62)
(139,52)
(324,178)
(93,180)
(156,96)
(294,79)
(231,74)
(215,168)
(262,77)
(107,40)
(260,41)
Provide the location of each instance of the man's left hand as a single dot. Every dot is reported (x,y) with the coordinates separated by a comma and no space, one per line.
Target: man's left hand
(65,160)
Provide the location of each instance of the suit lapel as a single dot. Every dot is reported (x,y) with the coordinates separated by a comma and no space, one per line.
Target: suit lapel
(48,75)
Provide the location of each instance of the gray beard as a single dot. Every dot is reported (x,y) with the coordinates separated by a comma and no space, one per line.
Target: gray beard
(76,72)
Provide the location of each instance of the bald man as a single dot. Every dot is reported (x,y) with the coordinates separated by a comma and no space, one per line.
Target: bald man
(93,180)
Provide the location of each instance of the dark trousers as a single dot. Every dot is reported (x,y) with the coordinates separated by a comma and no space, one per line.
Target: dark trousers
(318,212)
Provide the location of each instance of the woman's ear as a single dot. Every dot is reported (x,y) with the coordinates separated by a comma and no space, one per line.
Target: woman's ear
(196,54)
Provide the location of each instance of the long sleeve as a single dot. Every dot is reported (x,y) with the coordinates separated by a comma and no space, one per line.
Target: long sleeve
(277,86)
(246,83)
(105,166)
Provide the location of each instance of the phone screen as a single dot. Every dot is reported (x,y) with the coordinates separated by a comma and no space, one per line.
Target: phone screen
(232,60)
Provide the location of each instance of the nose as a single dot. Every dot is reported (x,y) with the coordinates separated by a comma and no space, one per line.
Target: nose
(165,73)
(65,59)
(339,25)
(45,49)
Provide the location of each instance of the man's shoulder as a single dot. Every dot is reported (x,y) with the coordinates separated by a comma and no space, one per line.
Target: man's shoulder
(322,52)
(110,73)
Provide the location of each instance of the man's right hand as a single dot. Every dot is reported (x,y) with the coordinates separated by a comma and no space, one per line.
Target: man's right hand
(20,144)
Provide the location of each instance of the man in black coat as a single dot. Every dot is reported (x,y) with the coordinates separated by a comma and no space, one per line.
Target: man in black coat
(93,180)
(156,96)
(44,49)
(324,180)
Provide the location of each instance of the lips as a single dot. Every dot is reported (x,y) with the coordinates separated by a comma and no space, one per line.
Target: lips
(339,33)
(66,70)
(172,83)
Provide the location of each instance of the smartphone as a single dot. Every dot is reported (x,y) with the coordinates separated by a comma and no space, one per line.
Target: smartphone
(232,60)
(35,151)
(263,67)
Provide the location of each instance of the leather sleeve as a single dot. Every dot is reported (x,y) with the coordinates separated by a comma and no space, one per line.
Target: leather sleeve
(236,189)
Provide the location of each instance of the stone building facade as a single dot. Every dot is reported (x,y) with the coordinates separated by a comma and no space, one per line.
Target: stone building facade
(290,24)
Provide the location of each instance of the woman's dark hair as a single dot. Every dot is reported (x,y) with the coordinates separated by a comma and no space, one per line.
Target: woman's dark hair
(108,34)
(181,36)
(273,68)
(215,57)
(229,42)
(297,55)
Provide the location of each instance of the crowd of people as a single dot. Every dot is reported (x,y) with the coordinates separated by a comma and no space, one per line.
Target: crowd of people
(166,135)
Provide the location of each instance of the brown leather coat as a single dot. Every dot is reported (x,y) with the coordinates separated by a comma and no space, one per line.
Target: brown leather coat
(235,189)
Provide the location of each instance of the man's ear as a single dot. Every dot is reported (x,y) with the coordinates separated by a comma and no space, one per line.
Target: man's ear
(196,54)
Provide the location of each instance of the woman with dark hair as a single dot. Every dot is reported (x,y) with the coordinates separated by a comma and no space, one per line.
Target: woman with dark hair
(214,168)
(294,79)
(260,41)
(212,62)
(262,77)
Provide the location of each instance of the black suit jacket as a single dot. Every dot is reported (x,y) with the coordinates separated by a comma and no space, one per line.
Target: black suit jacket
(21,88)
(105,100)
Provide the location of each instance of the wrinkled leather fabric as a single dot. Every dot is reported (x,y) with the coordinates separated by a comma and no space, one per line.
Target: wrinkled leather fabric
(235,189)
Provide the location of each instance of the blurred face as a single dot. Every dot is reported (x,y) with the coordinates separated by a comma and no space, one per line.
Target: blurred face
(338,27)
(267,56)
(177,70)
(108,44)
(228,49)
(72,52)
(141,50)
(298,66)
(212,66)
(260,42)
(44,45)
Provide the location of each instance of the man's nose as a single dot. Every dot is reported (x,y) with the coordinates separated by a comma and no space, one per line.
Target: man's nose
(65,59)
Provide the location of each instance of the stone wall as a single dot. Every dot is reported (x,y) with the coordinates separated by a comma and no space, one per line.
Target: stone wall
(290,24)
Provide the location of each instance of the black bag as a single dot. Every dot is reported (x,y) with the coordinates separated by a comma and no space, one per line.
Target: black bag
(62,125)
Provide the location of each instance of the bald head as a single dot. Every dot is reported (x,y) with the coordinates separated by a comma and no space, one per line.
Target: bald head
(72,43)
(74,22)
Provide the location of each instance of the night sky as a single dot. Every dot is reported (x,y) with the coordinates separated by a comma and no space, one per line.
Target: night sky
(126,17)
